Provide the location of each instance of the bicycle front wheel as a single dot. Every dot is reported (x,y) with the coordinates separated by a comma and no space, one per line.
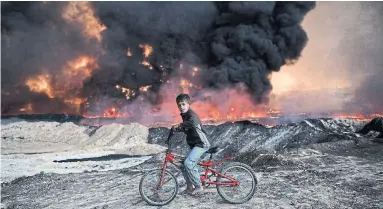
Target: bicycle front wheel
(153,193)
(246,187)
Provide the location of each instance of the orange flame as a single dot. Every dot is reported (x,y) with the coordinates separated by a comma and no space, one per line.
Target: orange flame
(28,108)
(128,92)
(185,85)
(114,113)
(147,49)
(75,101)
(147,64)
(65,83)
(354,116)
(128,52)
(214,107)
(78,70)
(145,88)
(82,13)
(41,84)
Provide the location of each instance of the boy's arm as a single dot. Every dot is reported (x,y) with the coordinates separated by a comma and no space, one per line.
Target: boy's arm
(191,122)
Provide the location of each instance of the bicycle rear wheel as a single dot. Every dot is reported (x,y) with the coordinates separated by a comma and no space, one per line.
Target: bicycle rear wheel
(155,195)
(246,187)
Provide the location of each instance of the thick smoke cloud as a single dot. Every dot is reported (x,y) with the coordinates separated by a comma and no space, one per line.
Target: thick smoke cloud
(252,39)
(35,38)
(242,42)
(234,42)
(171,28)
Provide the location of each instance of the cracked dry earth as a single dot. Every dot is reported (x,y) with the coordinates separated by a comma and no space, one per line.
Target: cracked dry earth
(328,175)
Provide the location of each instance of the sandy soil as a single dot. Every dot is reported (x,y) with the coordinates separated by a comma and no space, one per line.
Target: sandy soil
(28,148)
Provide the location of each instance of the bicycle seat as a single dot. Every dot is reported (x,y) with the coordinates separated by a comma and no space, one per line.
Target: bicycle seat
(212,150)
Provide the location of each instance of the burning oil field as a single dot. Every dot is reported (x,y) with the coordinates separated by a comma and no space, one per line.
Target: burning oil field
(88,95)
(112,60)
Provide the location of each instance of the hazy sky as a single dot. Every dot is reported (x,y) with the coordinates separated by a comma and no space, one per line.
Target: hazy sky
(343,37)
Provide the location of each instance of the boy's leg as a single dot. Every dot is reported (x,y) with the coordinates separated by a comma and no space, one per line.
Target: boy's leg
(189,185)
(191,167)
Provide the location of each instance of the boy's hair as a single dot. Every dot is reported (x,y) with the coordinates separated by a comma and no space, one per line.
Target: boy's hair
(183,97)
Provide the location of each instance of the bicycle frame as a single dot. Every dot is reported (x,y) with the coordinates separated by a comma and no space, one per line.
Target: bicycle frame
(172,158)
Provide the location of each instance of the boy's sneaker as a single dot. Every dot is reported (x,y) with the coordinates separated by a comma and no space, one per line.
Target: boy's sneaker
(186,191)
(197,190)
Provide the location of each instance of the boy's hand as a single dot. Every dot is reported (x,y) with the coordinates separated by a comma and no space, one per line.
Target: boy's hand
(177,128)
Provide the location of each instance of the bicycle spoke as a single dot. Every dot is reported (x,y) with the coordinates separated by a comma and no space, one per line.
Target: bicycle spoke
(245,188)
(155,194)
(244,183)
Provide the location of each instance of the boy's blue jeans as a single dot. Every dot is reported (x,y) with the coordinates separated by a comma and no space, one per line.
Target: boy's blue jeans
(190,168)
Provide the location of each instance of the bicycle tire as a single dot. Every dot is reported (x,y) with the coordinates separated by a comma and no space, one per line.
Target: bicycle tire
(250,195)
(150,202)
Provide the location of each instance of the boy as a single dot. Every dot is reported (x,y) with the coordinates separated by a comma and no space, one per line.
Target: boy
(196,139)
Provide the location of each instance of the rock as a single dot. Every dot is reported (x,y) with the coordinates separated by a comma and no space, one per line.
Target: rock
(376,125)
(235,138)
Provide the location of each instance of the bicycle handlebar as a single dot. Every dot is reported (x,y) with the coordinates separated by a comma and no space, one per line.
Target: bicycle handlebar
(171,133)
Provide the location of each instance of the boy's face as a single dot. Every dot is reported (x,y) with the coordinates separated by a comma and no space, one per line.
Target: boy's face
(183,106)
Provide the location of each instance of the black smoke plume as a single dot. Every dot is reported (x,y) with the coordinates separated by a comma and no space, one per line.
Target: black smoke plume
(231,43)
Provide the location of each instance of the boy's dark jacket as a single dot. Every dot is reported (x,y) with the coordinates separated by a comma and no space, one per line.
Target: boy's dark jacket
(190,123)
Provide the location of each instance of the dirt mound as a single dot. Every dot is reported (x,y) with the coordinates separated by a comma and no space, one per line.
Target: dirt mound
(30,147)
(20,136)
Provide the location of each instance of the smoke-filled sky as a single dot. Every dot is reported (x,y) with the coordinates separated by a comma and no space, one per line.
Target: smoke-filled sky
(343,56)
(64,57)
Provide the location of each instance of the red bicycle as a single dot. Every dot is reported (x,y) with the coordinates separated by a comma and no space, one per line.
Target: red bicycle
(160,187)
